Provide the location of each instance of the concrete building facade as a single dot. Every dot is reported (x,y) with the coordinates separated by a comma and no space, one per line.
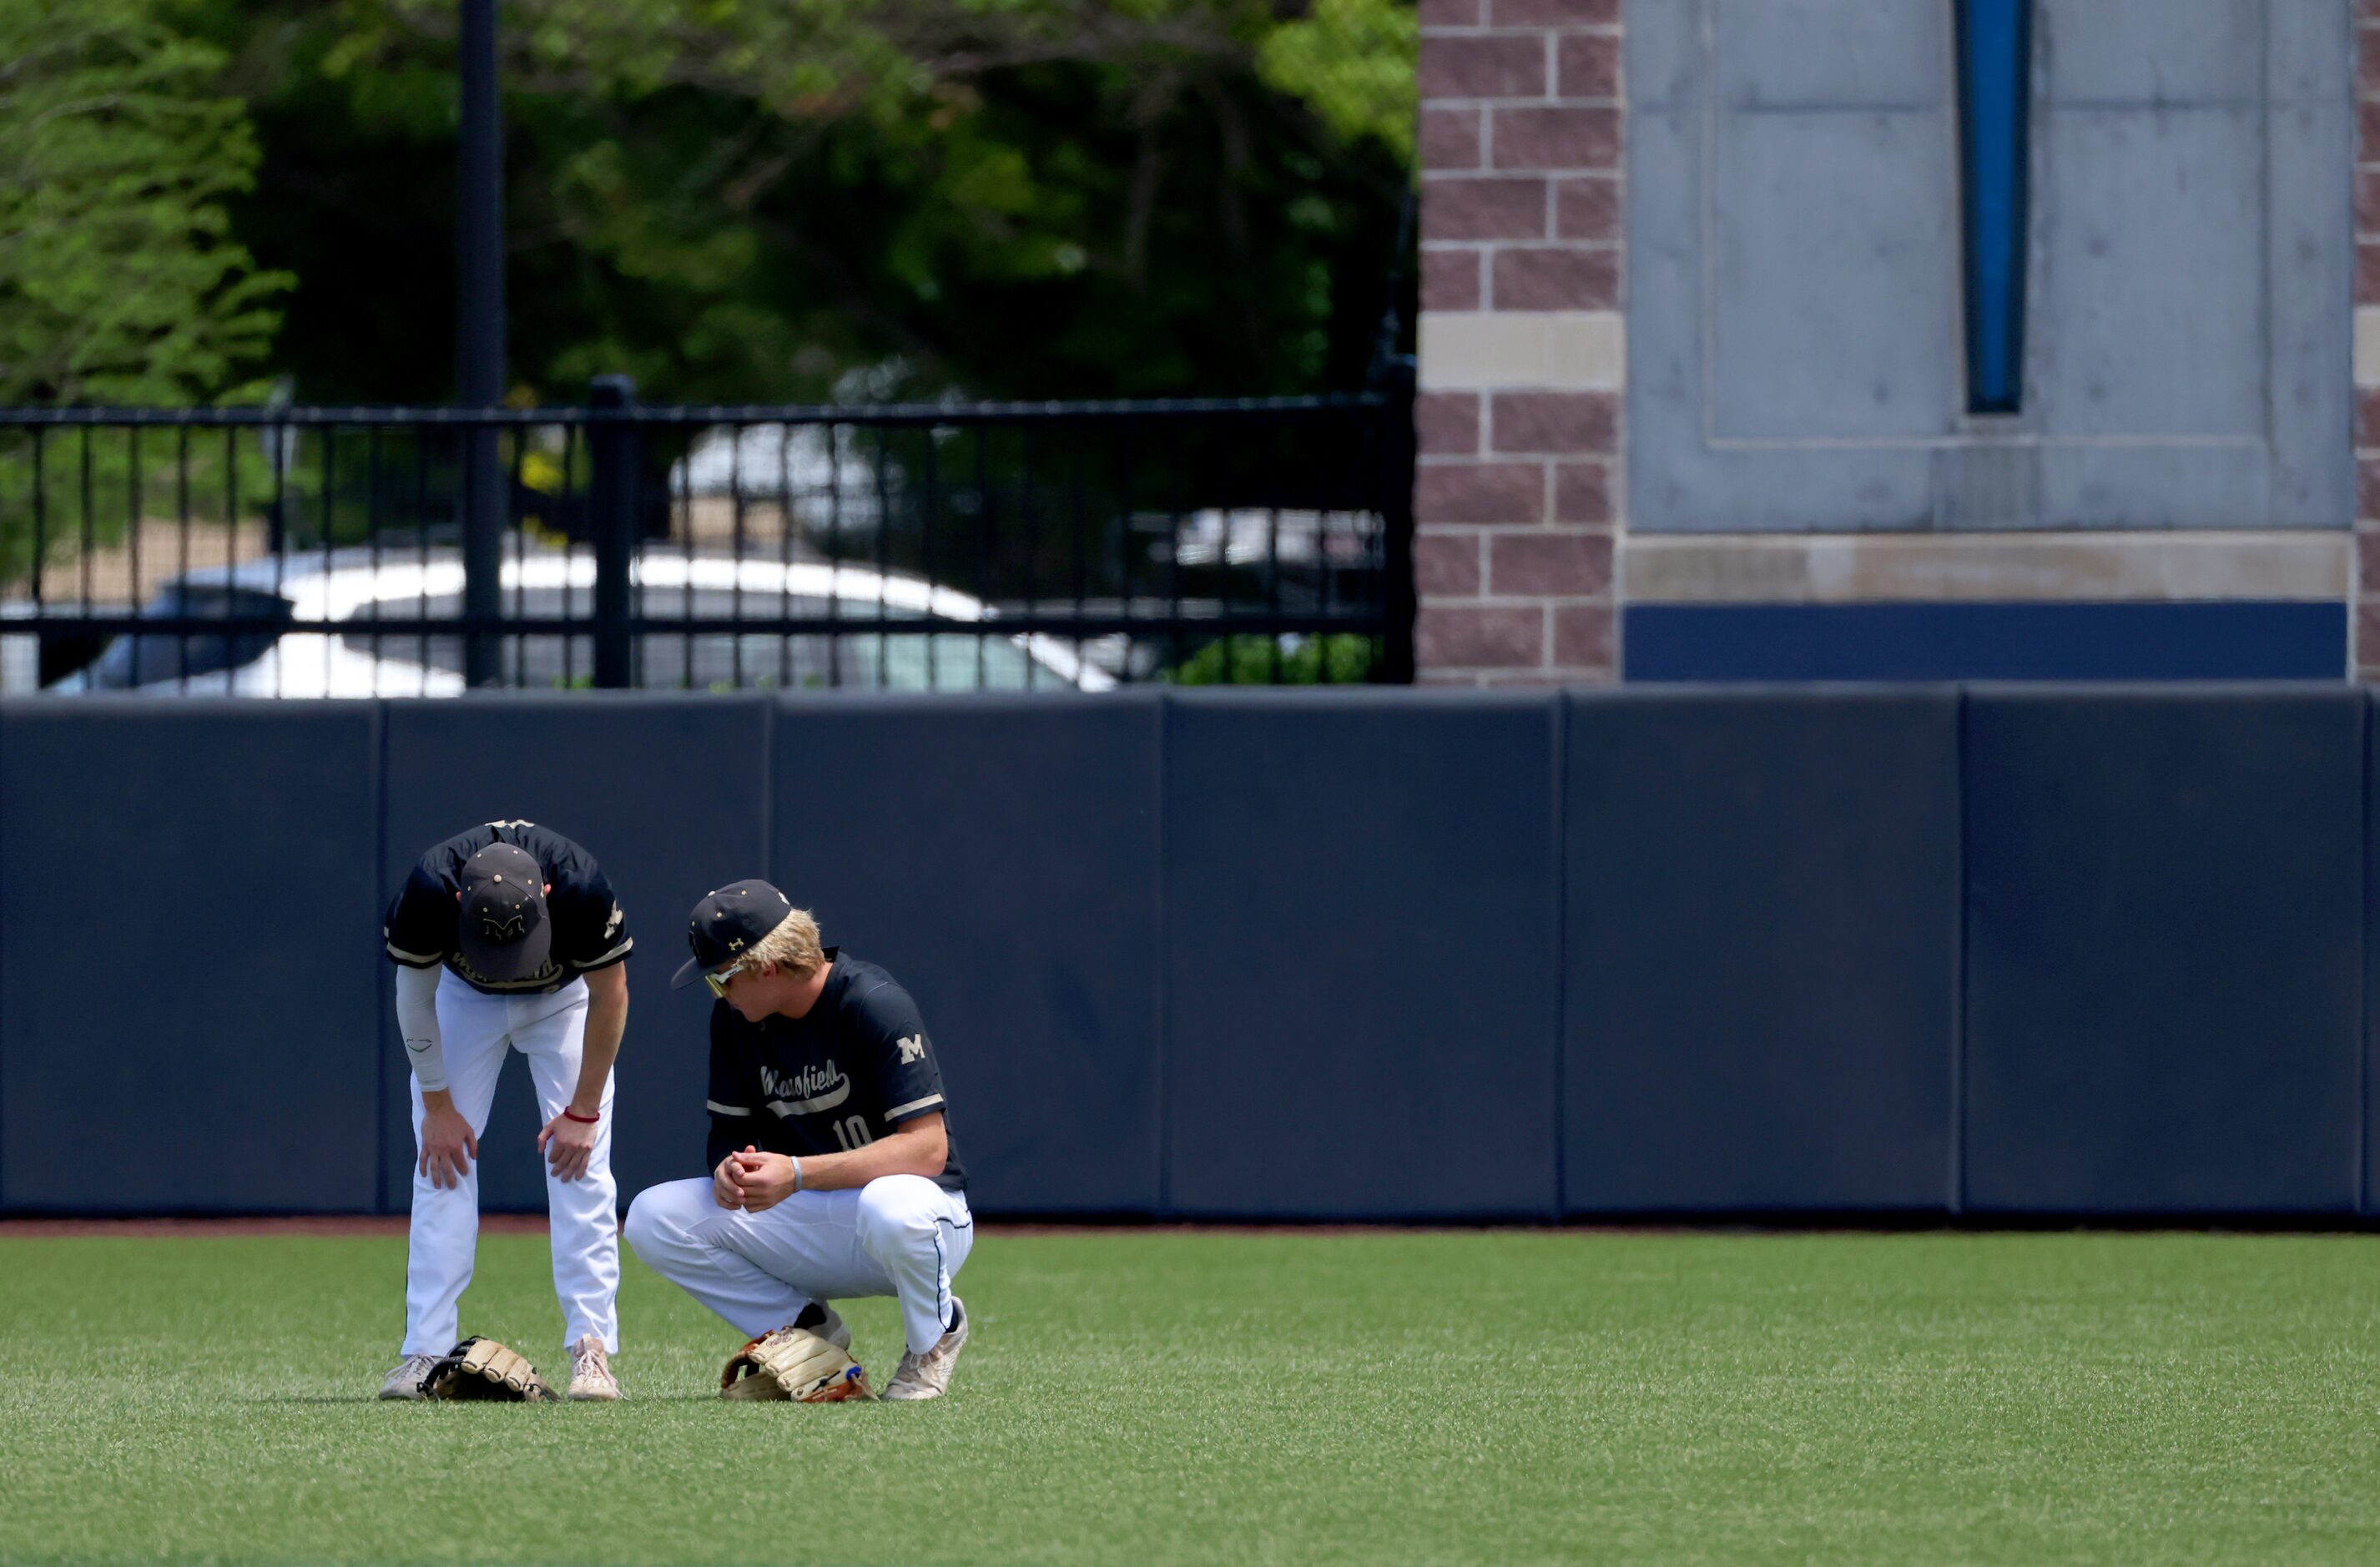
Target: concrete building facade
(1712,317)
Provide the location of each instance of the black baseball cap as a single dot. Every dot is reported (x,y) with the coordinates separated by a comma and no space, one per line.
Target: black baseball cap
(501,931)
(728,924)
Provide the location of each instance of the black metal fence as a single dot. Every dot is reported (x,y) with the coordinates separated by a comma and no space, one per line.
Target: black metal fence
(314,552)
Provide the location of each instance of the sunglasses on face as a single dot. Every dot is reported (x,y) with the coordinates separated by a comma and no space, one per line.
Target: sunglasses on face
(718,982)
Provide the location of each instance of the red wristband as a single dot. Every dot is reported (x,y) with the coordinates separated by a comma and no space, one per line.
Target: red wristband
(582,1120)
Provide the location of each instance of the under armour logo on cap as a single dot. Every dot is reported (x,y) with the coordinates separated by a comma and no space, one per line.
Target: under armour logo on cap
(729,923)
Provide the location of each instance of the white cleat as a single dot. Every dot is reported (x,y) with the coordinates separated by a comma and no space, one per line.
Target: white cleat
(406,1380)
(590,1372)
(929,1375)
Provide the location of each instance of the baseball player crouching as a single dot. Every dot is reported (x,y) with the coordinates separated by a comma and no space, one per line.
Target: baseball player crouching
(526,922)
(833,1171)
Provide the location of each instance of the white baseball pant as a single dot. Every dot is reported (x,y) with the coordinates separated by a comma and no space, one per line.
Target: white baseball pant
(898,1236)
(550,1030)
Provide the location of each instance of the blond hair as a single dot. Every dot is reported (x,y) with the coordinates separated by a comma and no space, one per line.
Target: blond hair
(793,946)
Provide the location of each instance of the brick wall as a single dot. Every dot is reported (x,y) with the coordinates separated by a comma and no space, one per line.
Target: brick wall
(2367,339)
(1518,496)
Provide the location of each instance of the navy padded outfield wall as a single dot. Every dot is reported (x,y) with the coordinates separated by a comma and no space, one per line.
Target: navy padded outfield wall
(2371,976)
(188,892)
(1762,932)
(999,856)
(1361,955)
(1988,951)
(2165,907)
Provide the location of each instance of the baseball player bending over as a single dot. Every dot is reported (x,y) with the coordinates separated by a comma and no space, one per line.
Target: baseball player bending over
(525,919)
(832,1171)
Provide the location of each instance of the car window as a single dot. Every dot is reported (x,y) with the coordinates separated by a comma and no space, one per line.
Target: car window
(947,660)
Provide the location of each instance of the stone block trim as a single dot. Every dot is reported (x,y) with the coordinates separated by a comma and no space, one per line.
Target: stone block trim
(1523,342)
(1851,568)
(1481,350)
(2366,619)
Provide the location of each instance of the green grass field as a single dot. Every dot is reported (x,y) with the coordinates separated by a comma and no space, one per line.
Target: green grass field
(1155,1397)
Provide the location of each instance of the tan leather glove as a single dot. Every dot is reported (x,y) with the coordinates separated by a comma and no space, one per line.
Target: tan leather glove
(794,1363)
(484,1369)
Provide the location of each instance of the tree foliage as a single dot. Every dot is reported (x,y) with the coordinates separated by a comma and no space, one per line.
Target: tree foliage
(120,278)
(772,200)
(731,200)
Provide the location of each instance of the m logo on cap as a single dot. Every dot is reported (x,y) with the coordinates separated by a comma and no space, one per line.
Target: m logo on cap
(496,930)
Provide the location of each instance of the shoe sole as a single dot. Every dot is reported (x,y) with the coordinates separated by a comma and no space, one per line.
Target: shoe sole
(966,1331)
(402,1392)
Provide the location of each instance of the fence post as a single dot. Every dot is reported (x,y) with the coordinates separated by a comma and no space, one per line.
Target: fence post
(1396,454)
(612,503)
(484,505)
(479,337)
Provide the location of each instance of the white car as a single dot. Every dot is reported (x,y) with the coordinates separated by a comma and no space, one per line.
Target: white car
(312,592)
(825,474)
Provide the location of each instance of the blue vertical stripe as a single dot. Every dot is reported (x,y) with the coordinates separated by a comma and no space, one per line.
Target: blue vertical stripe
(1995,103)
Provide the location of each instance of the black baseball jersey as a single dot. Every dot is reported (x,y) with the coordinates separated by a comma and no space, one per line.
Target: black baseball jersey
(846,1073)
(590,931)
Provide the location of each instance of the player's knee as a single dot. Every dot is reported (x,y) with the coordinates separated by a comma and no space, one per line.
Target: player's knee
(895,1210)
(427,1185)
(653,1226)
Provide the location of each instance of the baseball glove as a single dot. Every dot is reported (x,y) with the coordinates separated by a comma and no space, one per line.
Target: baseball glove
(484,1369)
(794,1363)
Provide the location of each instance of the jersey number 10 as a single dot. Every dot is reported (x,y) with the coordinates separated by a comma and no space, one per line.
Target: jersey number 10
(852,1133)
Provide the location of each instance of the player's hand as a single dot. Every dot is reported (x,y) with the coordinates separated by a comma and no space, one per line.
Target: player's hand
(447,1147)
(567,1145)
(723,1189)
(765,1179)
